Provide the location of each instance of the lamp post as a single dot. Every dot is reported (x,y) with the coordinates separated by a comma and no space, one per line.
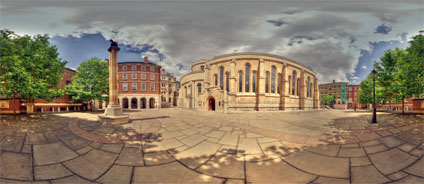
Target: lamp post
(374,114)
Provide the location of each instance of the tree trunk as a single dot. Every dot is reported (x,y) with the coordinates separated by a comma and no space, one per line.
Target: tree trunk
(403,106)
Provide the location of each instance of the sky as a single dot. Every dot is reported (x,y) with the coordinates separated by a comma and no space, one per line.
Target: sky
(338,39)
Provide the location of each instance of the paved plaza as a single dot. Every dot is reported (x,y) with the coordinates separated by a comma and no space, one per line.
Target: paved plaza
(185,146)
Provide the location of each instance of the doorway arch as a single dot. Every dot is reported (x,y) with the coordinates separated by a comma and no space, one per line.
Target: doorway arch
(211,104)
(151,103)
(134,103)
(125,103)
(143,103)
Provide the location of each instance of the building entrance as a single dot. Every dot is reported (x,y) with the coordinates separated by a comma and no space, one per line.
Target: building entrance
(211,104)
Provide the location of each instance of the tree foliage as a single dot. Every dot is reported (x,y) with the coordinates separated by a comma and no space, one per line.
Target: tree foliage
(328,99)
(30,67)
(366,90)
(90,82)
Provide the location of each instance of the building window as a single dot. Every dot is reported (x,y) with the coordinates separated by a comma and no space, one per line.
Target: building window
(152,69)
(163,84)
(289,84)
(134,86)
(125,77)
(152,86)
(247,78)
(350,89)
(273,79)
(134,76)
(278,83)
(125,87)
(202,68)
(240,82)
(297,87)
(254,82)
(143,86)
(227,82)
(221,77)
(215,78)
(143,76)
(134,67)
(152,77)
(267,82)
(124,68)
(163,77)
(143,68)
(199,88)
(169,100)
(293,82)
(307,87)
(310,91)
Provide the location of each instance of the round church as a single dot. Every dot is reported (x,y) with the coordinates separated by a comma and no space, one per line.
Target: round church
(249,82)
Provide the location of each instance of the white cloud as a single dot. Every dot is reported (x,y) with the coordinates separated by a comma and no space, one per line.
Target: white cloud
(364,67)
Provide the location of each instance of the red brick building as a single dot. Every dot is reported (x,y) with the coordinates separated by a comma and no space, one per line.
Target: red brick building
(352,96)
(139,84)
(397,106)
(59,104)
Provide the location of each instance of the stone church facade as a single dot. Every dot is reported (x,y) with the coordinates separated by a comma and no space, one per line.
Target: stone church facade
(249,82)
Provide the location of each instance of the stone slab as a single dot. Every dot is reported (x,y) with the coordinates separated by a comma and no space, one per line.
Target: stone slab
(386,162)
(49,172)
(117,174)
(52,153)
(15,166)
(367,174)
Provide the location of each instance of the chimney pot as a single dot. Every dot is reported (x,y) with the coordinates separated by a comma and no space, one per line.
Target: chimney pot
(146,60)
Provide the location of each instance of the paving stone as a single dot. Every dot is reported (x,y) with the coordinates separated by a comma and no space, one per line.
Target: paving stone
(12,143)
(367,174)
(215,134)
(410,179)
(275,149)
(74,142)
(226,128)
(114,148)
(266,140)
(205,129)
(162,145)
(52,153)
(189,132)
(397,176)
(248,146)
(250,134)
(49,172)
(193,140)
(26,148)
(360,161)
(234,181)
(353,145)
(92,165)
(130,157)
(228,149)
(375,148)
(162,173)
(71,179)
(369,143)
(351,152)
(319,164)
(96,145)
(329,150)
(224,165)
(157,158)
(178,149)
(171,134)
(197,155)
(84,150)
(15,166)
(391,141)
(255,157)
(381,160)
(117,174)
(417,152)
(275,171)
(331,180)
(229,139)
(406,147)
(417,168)
(36,139)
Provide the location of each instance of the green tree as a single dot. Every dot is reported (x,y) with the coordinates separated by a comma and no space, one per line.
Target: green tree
(90,82)
(328,99)
(366,90)
(30,68)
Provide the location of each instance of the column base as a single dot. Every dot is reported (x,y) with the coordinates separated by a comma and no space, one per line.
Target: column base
(113,115)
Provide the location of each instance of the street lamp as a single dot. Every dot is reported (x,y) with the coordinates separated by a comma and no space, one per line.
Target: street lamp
(374,115)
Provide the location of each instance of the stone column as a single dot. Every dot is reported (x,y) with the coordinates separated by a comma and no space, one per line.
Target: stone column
(302,90)
(67,108)
(316,94)
(283,83)
(261,83)
(233,75)
(113,113)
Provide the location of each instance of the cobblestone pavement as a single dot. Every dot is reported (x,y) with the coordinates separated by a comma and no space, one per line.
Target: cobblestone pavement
(185,146)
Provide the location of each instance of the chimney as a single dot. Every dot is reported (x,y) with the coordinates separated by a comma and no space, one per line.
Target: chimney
(146,60)
(334,81)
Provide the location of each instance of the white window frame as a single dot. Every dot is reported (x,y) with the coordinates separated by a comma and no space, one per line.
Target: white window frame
(152,76)
(143,86)
(134,74)
(143,76)
(143,68)
(124,68)
(152,86)
(125,77)
(152,69)
(125,87)
(134,67)
(134,86)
